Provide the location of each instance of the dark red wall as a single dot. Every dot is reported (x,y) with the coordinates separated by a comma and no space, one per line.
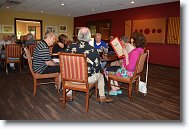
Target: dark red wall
(159,53)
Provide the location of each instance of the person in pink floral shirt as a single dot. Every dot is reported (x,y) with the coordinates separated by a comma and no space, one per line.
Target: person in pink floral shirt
(129,61)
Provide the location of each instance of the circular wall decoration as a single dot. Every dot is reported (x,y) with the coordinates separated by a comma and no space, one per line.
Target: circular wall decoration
(153,30)
(136,30)
(141,30)
(146,31)
(159,30)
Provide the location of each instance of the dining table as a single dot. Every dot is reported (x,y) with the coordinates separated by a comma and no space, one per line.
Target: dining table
(109,57)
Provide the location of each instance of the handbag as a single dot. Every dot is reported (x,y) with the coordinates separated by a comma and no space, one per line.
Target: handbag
(143,85)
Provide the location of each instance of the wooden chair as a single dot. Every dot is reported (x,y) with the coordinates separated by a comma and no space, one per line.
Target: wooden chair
(37,76)
(31,49)
(13,55)
(74,75)
(135,77)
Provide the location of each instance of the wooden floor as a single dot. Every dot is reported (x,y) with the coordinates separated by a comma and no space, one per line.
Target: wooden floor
(161,103)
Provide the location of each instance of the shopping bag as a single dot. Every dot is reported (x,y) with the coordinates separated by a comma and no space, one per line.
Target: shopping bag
(142,87)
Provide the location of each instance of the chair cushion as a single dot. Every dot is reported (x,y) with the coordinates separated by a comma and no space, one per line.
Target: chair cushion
(11,58)
(117,78)
(73,85)
(50,75)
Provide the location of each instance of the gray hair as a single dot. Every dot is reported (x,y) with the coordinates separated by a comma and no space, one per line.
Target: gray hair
(48,34)
(30,36)
(84,34)
(13,37)
(125,39)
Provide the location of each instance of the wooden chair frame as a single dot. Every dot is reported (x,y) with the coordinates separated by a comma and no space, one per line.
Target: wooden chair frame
(13,51)
(78,85)
(131,80)
(37,76)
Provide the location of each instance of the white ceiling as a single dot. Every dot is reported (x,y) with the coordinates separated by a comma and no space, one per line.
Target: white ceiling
(74,8)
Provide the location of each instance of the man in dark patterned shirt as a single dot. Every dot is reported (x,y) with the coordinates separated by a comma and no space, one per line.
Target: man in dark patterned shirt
(93,60)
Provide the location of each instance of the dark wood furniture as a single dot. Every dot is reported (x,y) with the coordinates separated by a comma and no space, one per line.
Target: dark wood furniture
(13,55)
(74,76)
(131,80)
(37,76)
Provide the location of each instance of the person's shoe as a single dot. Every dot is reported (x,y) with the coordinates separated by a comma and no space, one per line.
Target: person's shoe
(119,91)
(105,100)
(113,93)
(12,68)
(68,99)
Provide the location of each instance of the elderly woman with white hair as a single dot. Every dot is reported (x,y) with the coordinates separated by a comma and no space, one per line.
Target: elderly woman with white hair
(93,60)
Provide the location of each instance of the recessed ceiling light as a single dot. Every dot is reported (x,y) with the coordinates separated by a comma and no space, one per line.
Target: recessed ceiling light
(8,7)
(62,4)
(132,2)
(93,10)
(42,11)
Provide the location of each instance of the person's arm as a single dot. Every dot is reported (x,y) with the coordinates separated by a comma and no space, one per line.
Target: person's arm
(97,64)
(126,56)
(50,63)
(68,50)
(46,56)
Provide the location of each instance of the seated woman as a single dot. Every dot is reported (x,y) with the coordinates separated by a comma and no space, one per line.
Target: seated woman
(61,46)
(128,46)
(129,61)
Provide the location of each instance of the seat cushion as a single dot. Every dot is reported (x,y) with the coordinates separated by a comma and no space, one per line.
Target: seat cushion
(11,58)
(50,75)
(74,85)
(117,78)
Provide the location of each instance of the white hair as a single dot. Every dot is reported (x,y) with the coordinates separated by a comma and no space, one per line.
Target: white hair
(84,34)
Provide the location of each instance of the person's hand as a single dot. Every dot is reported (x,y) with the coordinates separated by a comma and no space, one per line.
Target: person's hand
(125,53)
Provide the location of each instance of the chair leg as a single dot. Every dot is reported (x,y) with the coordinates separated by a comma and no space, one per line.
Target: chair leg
(74,94)
(20,67)
(57,84)
(64,98)
(6,69)
(34,87)
(87,101)
(96,90)
(130,90)
(109,85)
(137,84)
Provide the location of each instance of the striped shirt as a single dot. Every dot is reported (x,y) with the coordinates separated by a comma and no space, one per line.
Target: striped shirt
(41,54)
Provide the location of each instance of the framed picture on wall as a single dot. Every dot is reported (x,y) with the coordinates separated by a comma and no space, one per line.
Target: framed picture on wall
(53,29)
(62,28)
(77,30)
(7,29)
(62,33)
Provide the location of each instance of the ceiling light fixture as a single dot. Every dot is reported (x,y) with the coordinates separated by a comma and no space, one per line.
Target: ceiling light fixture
(8,7)
(62,4)
(42,11)
(132,2)
(93,10)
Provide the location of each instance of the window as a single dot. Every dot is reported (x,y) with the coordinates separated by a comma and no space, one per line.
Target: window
(102,27)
